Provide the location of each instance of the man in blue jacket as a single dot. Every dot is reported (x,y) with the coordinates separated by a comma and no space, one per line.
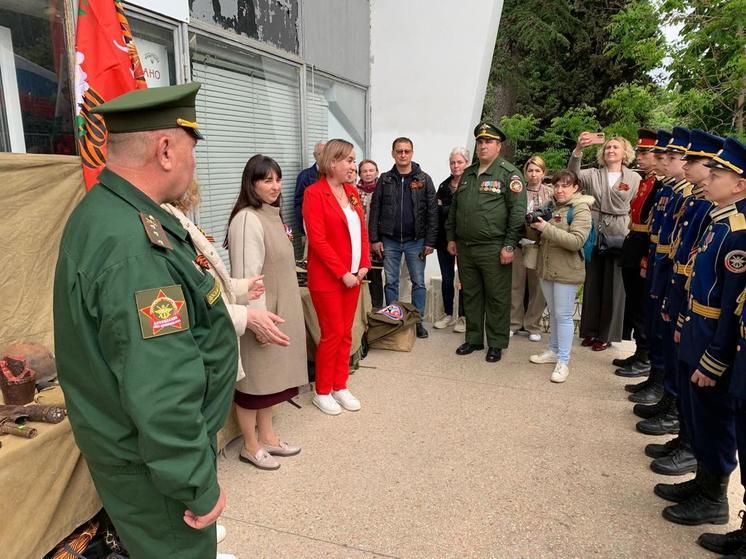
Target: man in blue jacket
(305,179)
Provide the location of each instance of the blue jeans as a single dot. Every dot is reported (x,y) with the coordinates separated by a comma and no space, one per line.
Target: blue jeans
(392,252)
(561,302)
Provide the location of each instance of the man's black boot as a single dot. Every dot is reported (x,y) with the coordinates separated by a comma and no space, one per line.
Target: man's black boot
(634,369)
(638,356)
(655,450)
(467,348)
(740,553)
(647,411)
(681,461)
(725,544)
(665,423)
(709,505)
(678,492)
(637,386)
(421,331)
(650,393)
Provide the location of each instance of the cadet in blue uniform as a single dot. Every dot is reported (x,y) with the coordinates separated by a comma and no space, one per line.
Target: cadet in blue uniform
(662,418)
(675,456)
(708,342)
(146,350)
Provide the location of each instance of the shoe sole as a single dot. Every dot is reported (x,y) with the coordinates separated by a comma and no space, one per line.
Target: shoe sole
(637,399)
(346,408)
(257,466)
(283,454)
(716,520)
(326,411)
(631,374)
(537,362)
(665,472)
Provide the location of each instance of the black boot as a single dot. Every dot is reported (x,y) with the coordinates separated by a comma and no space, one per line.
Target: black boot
(725,544)
(681,461)
(655,450)
(678,492)
(709,505)
(635,369)
(648,411)
(665,423)
(650,393)
(626,361)
(740,553)
(636,387)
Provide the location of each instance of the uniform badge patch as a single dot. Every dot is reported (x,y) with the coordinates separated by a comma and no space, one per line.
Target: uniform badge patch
(735,261)
(161,311)
(515,184)
(214,294)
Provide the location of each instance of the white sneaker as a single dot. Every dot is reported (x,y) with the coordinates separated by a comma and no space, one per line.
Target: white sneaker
(534,337)
(221,531)
(510,335)
(327,404)
(225,556)
(460,326)
(560,373)
(444,322)
(547,356)
(345,399)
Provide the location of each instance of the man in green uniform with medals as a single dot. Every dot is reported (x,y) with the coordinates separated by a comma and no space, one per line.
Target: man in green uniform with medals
(485,223)
(146,350)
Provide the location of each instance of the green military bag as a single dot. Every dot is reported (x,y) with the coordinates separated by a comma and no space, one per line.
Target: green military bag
(393,327)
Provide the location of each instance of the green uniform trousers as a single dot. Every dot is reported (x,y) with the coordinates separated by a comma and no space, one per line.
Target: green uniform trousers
(150,524)
(486,285)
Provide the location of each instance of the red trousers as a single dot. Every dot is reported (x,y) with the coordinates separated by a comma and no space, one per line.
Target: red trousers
(336,313)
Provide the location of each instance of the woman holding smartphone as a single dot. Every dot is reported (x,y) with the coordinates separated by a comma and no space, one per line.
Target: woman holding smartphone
(561,267)
(338,259)
(613,186)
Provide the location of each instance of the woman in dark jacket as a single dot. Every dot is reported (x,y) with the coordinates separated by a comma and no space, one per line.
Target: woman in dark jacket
(457,161)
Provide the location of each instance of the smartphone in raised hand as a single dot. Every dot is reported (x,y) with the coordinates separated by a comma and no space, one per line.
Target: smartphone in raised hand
(598,138)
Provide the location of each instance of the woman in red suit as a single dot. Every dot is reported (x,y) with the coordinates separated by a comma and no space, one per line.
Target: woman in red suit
(338,259)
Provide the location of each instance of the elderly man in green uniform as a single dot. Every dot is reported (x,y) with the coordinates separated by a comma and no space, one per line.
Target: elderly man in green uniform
(146,350)
(485,223)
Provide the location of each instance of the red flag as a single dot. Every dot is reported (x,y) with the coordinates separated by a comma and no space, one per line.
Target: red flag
(107,65)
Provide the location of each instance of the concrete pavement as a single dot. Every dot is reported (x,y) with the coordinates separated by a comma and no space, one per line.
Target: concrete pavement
(455,457)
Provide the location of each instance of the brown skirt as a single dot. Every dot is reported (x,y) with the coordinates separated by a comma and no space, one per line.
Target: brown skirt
(254,402)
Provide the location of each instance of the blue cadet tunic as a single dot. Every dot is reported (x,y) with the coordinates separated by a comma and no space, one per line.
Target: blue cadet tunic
(708,336)
(738,386)
(146,353)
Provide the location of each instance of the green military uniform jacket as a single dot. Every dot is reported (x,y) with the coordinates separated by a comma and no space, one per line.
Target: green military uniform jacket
(488,208)
(146,350)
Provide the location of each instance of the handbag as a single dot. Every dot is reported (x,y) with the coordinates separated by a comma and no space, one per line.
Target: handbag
(530,256)
(610,244)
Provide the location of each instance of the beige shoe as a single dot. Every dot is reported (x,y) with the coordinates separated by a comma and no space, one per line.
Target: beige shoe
(283,449)
(560,373)
(444,322)
(460,326)
(547,356)
(261,459)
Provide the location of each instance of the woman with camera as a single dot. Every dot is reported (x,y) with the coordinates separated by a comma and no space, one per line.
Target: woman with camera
(560,265)
(613,186)
(526,317)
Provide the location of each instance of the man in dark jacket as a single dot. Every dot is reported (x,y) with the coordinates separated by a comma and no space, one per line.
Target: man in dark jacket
(305,179)
(404,220)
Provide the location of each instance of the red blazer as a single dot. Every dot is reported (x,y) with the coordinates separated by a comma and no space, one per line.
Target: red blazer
(329,246)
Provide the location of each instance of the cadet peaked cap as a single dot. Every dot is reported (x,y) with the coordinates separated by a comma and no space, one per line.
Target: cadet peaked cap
(154,108)
(487,130)
(703,144)
(731,158)
(646,139)
(679,140)
(662,139)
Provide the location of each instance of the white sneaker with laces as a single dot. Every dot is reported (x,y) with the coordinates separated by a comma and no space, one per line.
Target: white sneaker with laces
(345,399)
(221,532)
(460,326)
(444,322)
(534,337)
(560,373)
(327,404)
(547,356)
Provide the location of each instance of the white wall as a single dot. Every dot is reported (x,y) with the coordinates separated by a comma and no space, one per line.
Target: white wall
(430,63)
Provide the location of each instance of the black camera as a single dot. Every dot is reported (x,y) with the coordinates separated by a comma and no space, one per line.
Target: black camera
(543,213)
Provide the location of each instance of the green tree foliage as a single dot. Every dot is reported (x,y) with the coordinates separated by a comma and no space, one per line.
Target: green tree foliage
(563,67)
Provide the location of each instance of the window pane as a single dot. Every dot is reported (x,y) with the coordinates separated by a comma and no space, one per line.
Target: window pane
(155,46)
(248,104)
(37,114)
(335,110)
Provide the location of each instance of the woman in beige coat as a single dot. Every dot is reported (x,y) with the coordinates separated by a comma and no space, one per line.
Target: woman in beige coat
(561,266)
(259,243)
(613,186)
